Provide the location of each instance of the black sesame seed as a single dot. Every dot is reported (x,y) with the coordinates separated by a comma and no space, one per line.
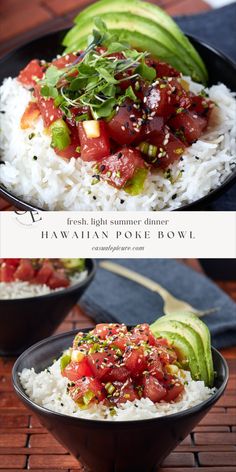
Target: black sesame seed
(95,198)
(174,196)
(119,155)
(2,162)
(102,168)
(122,201)
(96,176)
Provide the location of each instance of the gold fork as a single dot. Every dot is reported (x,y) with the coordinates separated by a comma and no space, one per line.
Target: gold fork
(171,303)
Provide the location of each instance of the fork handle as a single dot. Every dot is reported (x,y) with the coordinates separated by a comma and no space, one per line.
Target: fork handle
(138,278)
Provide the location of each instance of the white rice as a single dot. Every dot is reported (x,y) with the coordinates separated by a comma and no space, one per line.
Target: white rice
(19,289)
(54,183)
(48,389)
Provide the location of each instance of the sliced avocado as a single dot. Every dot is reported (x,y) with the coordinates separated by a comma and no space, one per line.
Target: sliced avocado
(132,23)
(193,338)
(138,41)
(151,12)
(74,265)
(157,40)
(185,352)
(194,322)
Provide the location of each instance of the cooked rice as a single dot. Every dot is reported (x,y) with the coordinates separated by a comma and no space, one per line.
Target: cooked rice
(48,389)
(19,289)
(54,183)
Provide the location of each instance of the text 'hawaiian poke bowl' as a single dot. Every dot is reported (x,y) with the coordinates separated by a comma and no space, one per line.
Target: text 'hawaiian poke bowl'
(35,297)
(125,117)
(115,408)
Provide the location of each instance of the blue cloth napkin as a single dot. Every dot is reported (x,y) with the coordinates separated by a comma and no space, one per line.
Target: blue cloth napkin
(216,27)
(112,298)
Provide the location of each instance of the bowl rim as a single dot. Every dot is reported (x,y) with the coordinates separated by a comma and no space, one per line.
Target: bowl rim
(212,195)
(45,411)
(61,292)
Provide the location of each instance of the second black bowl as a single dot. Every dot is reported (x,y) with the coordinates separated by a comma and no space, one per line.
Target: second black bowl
(24,321)
(113,446)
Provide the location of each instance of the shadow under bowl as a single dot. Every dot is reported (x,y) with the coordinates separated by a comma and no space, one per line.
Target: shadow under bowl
(109,446)
(220,69)
(25,321)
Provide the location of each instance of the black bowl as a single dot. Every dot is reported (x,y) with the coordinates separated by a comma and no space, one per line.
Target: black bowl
(106,446)
(220,68)
(24,321)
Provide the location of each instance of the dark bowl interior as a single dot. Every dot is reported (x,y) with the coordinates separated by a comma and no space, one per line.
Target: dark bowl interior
(106,446)
(25,321)
(220,69)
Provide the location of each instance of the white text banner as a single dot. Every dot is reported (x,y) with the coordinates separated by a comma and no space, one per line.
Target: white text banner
(118,234)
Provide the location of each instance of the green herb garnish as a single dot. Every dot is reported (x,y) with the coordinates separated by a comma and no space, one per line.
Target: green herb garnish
(94,78)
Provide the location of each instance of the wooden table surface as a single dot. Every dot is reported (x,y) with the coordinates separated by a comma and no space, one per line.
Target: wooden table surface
(23,20)
(25,444)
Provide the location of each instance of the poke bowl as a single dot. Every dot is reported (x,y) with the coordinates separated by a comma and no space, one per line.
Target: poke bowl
(30,312)
(134,153)
(137,440)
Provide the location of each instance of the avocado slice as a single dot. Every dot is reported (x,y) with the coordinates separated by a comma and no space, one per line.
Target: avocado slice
(185,352)
(201,328)
(131,23)
(151,12)
(155,39)
(74,265)
(191,336)
(138,41)
(194,339)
